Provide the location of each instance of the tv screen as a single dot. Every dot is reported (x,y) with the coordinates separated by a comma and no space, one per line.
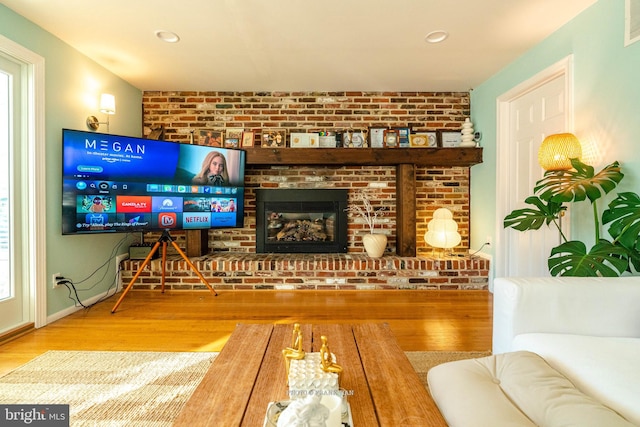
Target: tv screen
(114,183)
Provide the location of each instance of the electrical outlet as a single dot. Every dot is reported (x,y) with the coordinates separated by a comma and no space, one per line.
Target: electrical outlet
(55,277)
(488,241)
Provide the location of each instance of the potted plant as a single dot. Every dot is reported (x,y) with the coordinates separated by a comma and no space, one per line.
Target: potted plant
(374,243)
(608,257)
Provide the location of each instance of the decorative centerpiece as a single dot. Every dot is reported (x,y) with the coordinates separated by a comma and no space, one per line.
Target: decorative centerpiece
(310,373)
(374,243)
(313,380)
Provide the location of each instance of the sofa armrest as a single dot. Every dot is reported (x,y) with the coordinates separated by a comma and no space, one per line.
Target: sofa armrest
(565,305)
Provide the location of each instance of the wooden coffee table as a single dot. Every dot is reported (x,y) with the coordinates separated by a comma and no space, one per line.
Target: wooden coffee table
(249,373)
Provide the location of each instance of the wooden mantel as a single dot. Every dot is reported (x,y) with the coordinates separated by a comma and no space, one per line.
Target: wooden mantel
(365,156)
(404,159)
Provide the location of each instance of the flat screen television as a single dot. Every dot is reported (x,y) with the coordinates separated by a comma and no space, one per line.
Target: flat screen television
(113,183)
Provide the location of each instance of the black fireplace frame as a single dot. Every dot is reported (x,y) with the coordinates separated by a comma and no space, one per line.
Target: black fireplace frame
(297,200)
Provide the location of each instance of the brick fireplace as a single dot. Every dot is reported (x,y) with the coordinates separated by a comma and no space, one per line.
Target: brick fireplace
(232,261)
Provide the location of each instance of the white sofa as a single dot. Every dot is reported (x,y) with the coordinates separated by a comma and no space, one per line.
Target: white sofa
(566,353)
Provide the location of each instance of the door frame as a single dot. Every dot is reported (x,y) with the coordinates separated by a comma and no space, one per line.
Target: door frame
(562,68)
(34,136)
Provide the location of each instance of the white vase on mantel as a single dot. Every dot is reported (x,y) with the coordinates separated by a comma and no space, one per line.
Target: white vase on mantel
(374,244)
(467,134)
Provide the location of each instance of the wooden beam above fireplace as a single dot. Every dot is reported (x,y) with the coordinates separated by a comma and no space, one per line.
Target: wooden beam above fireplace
(364,156)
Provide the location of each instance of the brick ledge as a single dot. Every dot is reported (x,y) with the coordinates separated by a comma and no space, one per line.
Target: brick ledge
(313,271)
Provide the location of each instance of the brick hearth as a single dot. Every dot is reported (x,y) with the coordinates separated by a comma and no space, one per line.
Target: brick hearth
(238,271)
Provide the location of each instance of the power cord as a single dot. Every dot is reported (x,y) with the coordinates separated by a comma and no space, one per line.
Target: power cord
(481,247)
(71,287)
(73,290)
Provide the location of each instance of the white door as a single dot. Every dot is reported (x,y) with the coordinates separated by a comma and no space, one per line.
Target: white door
(22,188)
(14,294)
(540,107)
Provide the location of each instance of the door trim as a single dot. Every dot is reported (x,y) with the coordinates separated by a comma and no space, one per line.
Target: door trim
(562,68)
(35,185)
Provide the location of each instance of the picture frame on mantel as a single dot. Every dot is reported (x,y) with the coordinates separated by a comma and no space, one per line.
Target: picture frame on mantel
(233,137)
(356,138)
(391,138)
(424,140)
(274,138)
(376,135)
(247,138)
(211,137)
(450,139)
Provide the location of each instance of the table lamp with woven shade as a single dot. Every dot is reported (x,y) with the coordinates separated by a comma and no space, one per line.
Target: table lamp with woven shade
(557,150)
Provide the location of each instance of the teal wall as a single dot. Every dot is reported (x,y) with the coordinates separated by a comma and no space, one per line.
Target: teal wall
(606,101)
(73,84)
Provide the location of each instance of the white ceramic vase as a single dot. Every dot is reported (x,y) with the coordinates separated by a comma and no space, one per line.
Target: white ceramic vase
(467,134)
(374,244)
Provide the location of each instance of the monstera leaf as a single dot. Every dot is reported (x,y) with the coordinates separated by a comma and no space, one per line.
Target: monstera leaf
(572,259)
(624,216)
(533,219)
(579,184)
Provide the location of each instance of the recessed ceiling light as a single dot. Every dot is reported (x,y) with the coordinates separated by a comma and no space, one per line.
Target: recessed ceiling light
(436,36)
(167,36)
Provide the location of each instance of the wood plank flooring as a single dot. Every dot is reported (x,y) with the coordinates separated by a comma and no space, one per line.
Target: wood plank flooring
(199,321)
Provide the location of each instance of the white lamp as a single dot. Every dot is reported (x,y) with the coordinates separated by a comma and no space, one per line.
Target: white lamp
(107,106)
(442,230)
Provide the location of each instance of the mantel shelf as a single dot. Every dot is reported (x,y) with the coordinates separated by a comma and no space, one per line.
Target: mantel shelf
(364,156)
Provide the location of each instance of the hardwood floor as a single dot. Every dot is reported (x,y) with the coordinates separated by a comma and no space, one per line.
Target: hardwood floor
(199,321)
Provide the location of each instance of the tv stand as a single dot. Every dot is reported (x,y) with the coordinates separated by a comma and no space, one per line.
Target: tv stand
(163,240)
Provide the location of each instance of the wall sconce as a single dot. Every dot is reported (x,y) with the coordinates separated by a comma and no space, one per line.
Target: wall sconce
(107,106)
(442,230)
(557,150)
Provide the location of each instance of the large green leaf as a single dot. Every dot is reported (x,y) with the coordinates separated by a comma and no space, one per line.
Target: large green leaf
(578,184)
(634,259)
(533,219)
(624,216)
(572,259)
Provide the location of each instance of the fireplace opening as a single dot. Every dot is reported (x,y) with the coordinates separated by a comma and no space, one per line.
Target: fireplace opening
(301,221)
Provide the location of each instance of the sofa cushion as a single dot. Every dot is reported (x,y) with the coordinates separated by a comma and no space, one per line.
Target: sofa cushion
(605,368)
(513,389)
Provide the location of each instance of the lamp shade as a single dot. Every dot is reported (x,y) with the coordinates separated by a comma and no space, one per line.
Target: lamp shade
(557,150)
(107,103)
(442,230)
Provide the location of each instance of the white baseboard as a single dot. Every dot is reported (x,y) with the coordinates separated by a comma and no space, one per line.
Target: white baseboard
(70,310)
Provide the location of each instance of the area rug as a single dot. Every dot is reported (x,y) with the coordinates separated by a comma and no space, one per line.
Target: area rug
(422,361)
(109,388)
(113,388)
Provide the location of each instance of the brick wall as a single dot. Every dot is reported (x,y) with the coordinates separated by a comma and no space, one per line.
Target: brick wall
(183,113)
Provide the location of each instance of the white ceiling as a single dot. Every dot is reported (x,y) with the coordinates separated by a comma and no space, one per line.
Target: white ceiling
(291,45)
